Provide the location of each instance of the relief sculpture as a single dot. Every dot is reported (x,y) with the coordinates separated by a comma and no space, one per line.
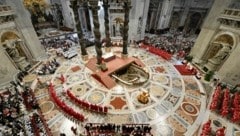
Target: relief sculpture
(3,71)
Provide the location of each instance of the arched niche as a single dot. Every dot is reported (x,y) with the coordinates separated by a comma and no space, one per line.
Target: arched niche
(117,26)
(193,22)
(11,36)
(221,38)
(13,45)
(219,50)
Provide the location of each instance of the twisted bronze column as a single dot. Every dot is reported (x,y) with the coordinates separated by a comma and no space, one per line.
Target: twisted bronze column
(106,24)
(75,6)
(126,7)
(94,7)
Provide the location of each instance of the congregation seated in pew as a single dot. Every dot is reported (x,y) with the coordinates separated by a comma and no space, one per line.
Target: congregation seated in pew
(48,68)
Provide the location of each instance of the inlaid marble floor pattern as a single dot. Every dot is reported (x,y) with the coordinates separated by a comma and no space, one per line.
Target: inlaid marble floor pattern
(176,106)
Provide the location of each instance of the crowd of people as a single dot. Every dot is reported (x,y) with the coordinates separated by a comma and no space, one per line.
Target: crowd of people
(37,125)
(29,99)
(62,47)
(95,129)
(226,103)
(57,43)
(48,68)
(10,111)
(207,130)
(173,44)
(16,101)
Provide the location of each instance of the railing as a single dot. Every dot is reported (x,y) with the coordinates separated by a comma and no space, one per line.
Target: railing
(5,10)
(232,14)
(6,17)
(141,76)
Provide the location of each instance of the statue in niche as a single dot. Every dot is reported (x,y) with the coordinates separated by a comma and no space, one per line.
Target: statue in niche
(221,54)
(118,26)
(13,52)
(11,49)
(215,47)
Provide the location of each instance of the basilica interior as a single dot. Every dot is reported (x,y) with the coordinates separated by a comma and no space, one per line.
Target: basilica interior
(119,68)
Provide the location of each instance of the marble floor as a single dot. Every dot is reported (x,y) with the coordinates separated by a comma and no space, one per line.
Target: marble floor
(176,106)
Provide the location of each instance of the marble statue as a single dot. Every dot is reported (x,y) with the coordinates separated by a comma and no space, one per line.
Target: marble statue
(12,50)
(216,60)
(221,54)
(20,61)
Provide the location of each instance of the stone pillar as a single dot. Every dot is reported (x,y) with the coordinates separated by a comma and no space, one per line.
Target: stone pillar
(75,6)
(166,14)
(152,19)
(67,14)
(94,7)
(106,24)
(158,13)
(184,14)
(7,68)
(138,19)
(144,17)
(126,7)
(25,26)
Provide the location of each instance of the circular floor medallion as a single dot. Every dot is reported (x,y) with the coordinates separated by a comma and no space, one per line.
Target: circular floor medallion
(165,130)
(46,107)
(152,114)
(157,91)
(75,78)
(177,82)
(161,79)
(79,90)
(96,97)
(189,109)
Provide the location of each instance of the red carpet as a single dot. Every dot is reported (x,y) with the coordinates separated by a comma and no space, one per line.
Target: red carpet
(157,51)
(184,71)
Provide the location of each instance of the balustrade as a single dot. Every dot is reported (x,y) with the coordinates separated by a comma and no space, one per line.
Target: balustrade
(230,17)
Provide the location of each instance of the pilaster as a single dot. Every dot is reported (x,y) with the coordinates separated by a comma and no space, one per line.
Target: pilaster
(184,14)
(7,71)
(25,26)
(229,71)
(166,14)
